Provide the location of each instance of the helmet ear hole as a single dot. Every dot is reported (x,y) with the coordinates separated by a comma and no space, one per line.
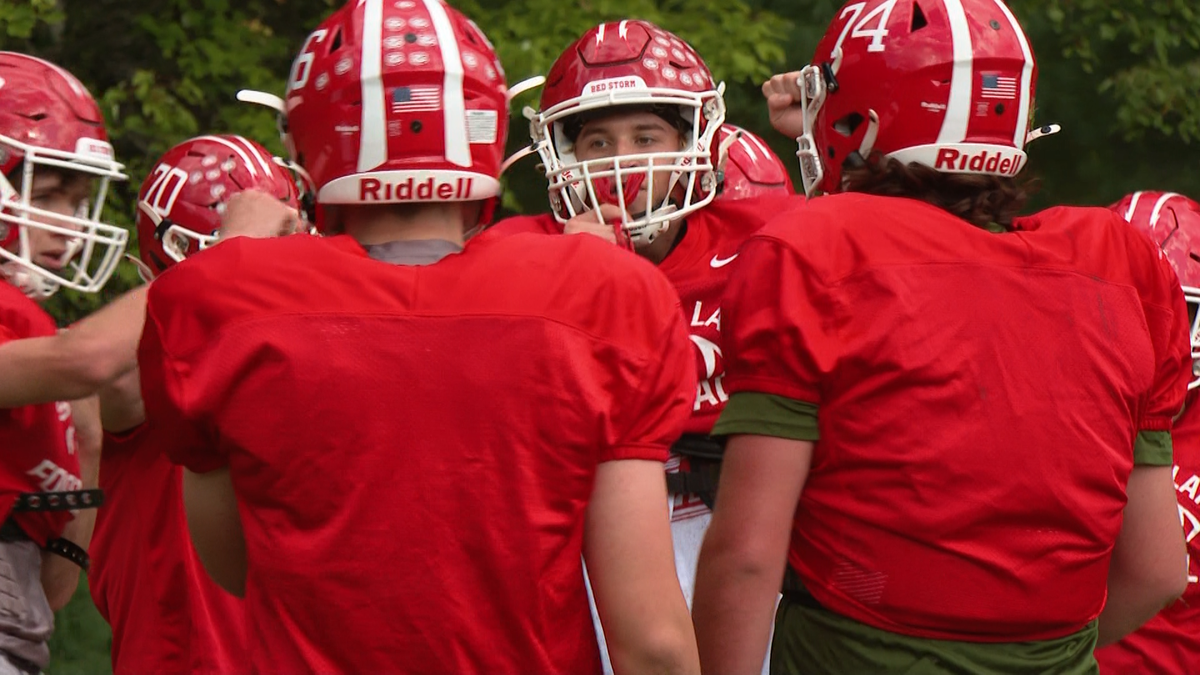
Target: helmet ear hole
(847,125)
(918,19)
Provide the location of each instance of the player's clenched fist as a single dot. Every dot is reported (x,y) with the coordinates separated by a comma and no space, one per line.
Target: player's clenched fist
(783,102)
(252,213)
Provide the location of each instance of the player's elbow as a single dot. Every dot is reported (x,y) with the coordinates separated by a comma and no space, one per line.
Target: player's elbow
(665,647)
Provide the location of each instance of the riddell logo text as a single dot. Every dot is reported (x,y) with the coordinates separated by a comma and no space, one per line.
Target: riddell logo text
(949,159)
(375,190)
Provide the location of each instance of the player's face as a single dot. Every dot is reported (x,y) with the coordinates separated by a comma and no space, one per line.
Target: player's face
(632,133)
(57,194)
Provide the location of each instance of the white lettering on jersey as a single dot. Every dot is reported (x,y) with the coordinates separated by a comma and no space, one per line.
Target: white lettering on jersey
(1189,520)
(54,478)
(714,319)
(711,389)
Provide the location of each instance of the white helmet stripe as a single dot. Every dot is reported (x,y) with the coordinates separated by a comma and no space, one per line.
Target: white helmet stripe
(454,106)
(1158,207)
(1137,197)
(958,110)
(749,148)
(762,148)
(241,153)
(262,161)
(372,139)
(1026,77)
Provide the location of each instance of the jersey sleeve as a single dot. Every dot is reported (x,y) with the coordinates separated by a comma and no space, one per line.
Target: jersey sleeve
(778,324)
(1167,320)
(167,388)
(659,389)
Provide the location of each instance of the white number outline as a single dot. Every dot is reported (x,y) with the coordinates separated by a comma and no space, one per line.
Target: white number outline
(158,189)
(856,27)
(296,78)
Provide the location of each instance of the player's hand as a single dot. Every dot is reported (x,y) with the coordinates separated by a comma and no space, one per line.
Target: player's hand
(783,102)
(253,213)
(610,230)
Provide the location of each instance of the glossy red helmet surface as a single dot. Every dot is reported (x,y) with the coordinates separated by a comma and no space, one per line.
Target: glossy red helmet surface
(393,101)
(944,83)
(749,168)
(181,200)
(630,63)
(1173,222)
(49,121)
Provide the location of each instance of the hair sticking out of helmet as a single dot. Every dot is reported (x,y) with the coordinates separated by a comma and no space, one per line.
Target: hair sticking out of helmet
(1173,222)
(180,203)
(394,103)
(616,67)
(51,125)
(947,84)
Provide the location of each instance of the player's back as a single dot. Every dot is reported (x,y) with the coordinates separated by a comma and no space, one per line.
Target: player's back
(981,391)
(414,446)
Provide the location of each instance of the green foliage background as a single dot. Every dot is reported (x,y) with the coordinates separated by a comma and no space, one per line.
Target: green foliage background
(1121,76)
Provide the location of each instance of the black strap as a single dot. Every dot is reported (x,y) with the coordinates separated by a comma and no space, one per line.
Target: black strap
(58,501)
(71,551)
(699,445)
(691,483)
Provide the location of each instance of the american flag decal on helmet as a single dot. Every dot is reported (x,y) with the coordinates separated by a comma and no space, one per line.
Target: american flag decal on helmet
(415,99)
(999,87)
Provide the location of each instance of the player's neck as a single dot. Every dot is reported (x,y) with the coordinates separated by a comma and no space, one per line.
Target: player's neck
(657,250)
(432,221)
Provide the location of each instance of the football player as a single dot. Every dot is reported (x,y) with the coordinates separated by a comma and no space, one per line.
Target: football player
(55,166)
(1170,642)
(630,133)
(166,614)
(398,448)
(146,581)
(935,402)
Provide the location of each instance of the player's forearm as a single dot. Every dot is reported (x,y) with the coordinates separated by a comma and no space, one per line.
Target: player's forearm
(734,608)
(60,577)
(77,362)
(1130,604)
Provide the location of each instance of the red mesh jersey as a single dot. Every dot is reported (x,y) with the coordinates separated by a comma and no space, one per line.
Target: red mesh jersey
(978,397)
(167,615)
(416,446)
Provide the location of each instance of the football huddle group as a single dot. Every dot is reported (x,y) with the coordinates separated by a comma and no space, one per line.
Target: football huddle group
(348,424)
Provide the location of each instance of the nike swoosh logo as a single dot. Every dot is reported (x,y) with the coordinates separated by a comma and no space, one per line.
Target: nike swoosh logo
(718,262)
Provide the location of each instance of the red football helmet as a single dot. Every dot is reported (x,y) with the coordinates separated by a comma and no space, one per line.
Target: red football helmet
(180,203)
(944,83)
(397,101)
(1173,222)
(48,120)
(630,63)
(748,166)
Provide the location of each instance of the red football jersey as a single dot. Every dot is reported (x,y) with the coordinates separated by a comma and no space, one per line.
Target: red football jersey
(38,440)
(978,396)
(1170,642)
(415,446)
(167,615)
(698,267)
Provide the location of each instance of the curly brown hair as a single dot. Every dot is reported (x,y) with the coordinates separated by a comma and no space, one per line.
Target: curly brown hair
(978,199)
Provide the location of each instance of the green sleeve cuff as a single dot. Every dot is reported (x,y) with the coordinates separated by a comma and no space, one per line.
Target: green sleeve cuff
(768,415)
(1150,448)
